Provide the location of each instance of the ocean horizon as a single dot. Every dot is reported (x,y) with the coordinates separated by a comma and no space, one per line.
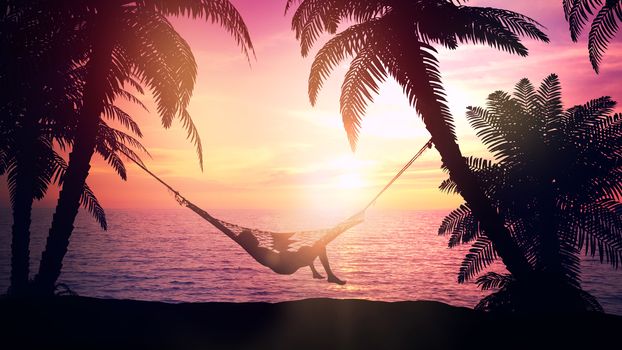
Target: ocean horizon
(172,255)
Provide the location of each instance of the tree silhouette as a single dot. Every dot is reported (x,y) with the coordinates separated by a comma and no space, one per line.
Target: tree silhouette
(37,112)
(394,38)
(127,43)
(604,26)
(556,179)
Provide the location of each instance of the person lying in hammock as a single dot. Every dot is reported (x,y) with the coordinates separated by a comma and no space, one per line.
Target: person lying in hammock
(286,262)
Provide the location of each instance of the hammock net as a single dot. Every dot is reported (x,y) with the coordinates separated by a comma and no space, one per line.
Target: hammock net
(283,241)
(276,241)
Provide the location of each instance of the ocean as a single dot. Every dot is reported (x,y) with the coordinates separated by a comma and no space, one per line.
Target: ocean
(175,256)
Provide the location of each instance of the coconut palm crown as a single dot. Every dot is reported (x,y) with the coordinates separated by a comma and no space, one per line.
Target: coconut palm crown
(128,43)
(395,38)
(38,118)
(556,179)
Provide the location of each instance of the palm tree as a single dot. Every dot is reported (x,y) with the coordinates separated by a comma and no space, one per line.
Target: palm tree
(556,180)
(394,38)
(36,113)
(604,25)
(129,43)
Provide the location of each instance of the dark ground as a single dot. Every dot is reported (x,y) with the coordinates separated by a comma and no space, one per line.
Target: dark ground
(86,323)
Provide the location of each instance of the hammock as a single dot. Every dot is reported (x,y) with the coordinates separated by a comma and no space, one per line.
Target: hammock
(279,242)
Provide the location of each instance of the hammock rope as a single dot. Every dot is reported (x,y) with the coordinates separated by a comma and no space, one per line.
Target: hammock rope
(282,241)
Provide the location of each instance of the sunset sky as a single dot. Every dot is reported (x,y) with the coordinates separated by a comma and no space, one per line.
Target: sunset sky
(266,147)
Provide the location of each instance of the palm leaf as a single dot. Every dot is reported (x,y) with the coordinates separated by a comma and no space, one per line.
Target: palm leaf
(493,280)
(221,12)
(481,255)
(550,101)
(115,113)
(577,14)
(414,66)
(88,200)
(91,204)
(448,186)
(525,95)
(343,45)
(360,84)
(604,28)
(499,29)
(314,17)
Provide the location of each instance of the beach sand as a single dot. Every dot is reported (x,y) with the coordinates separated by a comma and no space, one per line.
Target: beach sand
(88,323)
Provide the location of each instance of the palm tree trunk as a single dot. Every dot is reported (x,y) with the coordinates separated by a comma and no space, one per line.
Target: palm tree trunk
(429,102)
(469,188)
(20,243)
(550,252)
(24,193)
(490,221)
(98,70)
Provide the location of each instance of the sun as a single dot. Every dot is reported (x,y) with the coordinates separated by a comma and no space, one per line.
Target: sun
(348,171)
(350,181)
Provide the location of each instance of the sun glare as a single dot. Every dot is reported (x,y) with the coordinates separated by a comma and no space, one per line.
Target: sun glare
(348,171)
(350,181)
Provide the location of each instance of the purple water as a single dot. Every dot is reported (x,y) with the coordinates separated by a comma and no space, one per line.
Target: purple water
(175,256)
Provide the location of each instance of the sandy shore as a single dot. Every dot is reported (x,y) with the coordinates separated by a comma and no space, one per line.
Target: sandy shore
(87,323)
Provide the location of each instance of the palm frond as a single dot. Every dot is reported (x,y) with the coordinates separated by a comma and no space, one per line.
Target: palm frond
(461,225)
(486,123)
(343,45)
(453,219)
(88,200)
(604,28)
(481,255)
(290,3)
(567,5)
(112,141)
(591,301)
(515,22)
(360,84)
(493,280)
(599,231)
(569,261)
(478,164)
(497,28)
(166,65)
(578,13)
(128,96)
(489,31)
(414,66)
(192,134)
(116,139)
(115,113)
(578,118)
(448,186)
(4,161)
(163,61)
(314,17)
(221,12)
(112,159)
(30,168)
(91,204)
(525,95)
(550,101)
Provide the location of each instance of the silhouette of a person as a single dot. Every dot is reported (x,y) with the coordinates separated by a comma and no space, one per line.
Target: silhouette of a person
(286,262)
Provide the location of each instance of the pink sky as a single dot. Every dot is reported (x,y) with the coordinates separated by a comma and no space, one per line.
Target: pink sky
(266,147)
